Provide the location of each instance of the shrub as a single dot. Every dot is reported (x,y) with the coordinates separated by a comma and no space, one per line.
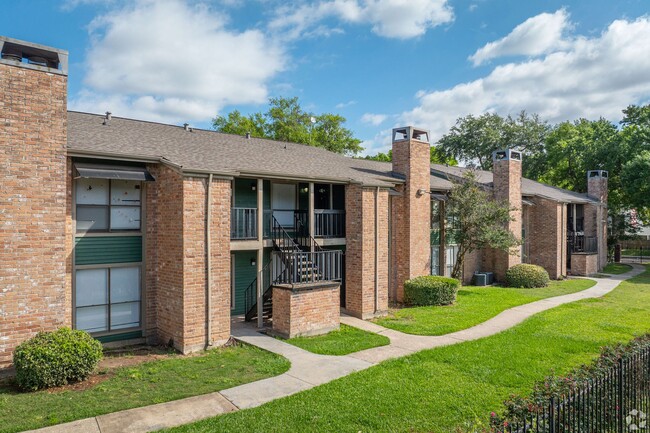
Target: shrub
(527,276)
(56,358)
(431,290)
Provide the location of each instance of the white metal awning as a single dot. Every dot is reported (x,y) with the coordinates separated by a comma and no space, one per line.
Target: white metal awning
(98,171)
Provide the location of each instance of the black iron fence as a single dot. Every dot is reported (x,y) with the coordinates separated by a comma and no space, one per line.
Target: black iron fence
(616,401)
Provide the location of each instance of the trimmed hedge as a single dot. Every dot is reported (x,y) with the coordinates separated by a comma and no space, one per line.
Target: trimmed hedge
(56,358)
(527,276)
(431,290)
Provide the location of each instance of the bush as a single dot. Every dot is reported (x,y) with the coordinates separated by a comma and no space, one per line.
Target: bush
(56,358)
(431,290)
(527,276)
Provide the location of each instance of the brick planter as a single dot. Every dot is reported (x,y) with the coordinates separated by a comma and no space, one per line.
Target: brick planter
(584,264)
(306,309)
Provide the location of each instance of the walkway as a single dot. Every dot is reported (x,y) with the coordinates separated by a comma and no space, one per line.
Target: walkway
(309,370)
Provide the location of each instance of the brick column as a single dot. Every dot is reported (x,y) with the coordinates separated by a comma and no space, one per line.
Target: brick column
(507,189)
(547,236)
(596,214)
(362,270)
(411,212)
(176,260)
(35,238)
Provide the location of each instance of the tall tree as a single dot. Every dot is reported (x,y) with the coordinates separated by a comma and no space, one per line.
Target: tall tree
(473,139)
(481,220)
(436,156)
(285,120)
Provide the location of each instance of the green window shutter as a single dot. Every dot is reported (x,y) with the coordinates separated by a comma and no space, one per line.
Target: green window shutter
(108,249)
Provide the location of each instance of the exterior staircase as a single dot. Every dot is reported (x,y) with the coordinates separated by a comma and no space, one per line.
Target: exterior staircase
(293,262)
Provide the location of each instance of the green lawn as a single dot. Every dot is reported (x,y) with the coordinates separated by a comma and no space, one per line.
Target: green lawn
(345,340)
(438,390)
(473,306)
(636,252)
(141,385)
(617,268)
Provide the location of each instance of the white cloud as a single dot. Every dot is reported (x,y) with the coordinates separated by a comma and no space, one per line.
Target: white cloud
(345,104)
(174,61)
(374,119)
(537,35)
(589,77)
(400,19)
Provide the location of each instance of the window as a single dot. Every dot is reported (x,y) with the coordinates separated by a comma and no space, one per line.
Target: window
(107,299)
(108,205)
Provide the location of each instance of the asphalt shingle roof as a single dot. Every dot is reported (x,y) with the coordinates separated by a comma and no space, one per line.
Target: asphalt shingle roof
(203,150)
(210,151)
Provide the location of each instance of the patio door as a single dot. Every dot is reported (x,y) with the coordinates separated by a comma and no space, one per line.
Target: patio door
(283,202)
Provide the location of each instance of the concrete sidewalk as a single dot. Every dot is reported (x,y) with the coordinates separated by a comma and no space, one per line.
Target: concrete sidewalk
(309,370)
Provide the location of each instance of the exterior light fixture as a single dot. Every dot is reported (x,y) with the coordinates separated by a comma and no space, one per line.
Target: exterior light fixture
(253,262)
(253,186)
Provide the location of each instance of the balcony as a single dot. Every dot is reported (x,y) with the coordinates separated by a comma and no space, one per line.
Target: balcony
(243,223)
(327,223)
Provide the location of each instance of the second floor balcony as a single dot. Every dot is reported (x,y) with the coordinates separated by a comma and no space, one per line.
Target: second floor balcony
(328,223)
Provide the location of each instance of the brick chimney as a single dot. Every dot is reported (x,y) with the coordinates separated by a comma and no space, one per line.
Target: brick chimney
(34,242)
(597,185)
(596,214)
(411,211)
(507,188)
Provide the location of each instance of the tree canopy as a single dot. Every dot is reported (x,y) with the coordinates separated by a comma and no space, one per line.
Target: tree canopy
(473,139)
(437,156)
(285,120)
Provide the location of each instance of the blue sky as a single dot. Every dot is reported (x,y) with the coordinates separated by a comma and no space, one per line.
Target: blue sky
(379,63)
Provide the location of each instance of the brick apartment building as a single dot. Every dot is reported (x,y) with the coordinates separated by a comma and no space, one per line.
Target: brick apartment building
(138,231)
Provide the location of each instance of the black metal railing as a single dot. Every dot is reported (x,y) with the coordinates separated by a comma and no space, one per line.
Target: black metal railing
(579,243)
(243,223)
(303,238)
(329,223)
(289,264)
(306,267)
(616,401)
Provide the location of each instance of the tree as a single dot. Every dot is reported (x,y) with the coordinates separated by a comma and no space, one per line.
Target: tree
(436,156)
(473,139)
(285,120)
(482,220)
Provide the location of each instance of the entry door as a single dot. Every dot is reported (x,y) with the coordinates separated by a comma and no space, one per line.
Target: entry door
(283,202)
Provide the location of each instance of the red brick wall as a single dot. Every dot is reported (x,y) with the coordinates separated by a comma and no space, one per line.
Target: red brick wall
(164,260)
(507,188)
(34,279)
(308,311)
(411,213)
(176,259)
(360,251)
(547,231)
(584,264)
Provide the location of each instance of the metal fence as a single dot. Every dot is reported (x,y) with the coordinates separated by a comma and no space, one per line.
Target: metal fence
(306,267)
(617,401)
(243,223)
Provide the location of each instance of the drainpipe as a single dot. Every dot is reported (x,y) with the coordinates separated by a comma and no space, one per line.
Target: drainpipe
(208,261)
(376,250)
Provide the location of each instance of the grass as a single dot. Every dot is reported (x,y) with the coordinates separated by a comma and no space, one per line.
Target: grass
(345,340)
(440,389)
(148,383)
(473,306)
(636,252)
(617,268)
